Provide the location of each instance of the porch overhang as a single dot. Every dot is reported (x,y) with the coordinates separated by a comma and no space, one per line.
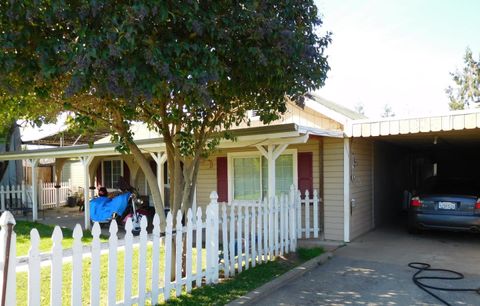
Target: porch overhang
(284,133)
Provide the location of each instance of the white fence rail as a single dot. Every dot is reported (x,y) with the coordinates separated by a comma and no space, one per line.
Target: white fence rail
(307,212)
(232,239)
(19,197)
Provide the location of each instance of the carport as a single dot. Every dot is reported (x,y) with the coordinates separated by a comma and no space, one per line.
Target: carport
(404,152)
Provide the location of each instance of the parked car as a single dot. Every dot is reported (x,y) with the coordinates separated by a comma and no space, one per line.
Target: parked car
(446,204)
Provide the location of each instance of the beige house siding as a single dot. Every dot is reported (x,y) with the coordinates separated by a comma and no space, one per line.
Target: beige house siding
(207,176)
(301,116)
(361,187)
(333,188)
(73,170)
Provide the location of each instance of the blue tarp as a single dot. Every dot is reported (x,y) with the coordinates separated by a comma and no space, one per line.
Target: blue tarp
(102,208)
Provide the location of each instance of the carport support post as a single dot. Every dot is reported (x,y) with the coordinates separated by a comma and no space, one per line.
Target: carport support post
(86,161)
(271,154)
(346,189)
(34,163)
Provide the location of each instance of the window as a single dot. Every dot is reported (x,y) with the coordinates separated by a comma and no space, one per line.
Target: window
(249,175)
(112,170)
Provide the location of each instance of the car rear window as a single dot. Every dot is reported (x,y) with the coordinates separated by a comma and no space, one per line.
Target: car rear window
(450,186)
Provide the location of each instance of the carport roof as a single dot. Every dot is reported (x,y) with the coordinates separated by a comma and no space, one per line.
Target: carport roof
(451,121)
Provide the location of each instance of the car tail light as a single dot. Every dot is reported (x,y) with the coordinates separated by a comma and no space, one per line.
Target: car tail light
(477,205)
(415,202)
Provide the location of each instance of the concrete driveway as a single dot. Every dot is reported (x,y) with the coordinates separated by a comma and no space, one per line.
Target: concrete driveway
(373,270)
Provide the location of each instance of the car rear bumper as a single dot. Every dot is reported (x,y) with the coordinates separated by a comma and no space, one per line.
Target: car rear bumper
(447,222)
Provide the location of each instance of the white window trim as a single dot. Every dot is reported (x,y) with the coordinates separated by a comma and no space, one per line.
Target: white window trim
(103,172)
(231,156)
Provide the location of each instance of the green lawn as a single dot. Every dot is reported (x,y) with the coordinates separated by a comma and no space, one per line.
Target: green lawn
(23,228)
(218,294)
(22,278)
(229,290)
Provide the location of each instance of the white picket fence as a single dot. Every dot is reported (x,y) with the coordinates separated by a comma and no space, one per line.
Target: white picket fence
(307,212)
(16,197)
(234,238)
(49,196)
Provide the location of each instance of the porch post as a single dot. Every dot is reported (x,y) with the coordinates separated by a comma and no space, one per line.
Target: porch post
(160,158)
(34,163)
(271,154)
(86,161)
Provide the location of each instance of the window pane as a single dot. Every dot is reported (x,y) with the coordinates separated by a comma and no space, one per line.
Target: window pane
(107,173)
(116,172)
(246,178)
(283,174)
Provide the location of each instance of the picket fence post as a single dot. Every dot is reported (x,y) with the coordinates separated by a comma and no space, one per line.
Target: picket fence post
(112,263)
(127,262)
(168,257)
(239,240)
(155,257)
(298,208)
(178,253)
(56,270)
(253,237)
(226,262)
(232,240)
(142,264)
(34,269)
(260,234)
(77,250)
(307,214)
(292,216)
(95,267)
(188,273)
(198,245)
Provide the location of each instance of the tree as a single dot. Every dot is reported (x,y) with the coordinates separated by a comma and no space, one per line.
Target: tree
(359,108)
(466,92)
(387,111)
(189,69)
(14,108)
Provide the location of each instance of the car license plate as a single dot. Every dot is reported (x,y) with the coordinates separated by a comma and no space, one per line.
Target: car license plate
(447,205)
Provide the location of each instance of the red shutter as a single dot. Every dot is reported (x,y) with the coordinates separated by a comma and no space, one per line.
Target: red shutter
(305,172)
(222,179)
(126,172)
(99,175)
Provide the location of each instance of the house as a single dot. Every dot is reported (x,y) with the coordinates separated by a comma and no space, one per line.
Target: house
(361,167)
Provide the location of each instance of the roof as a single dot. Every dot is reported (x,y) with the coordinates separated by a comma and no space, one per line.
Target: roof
(344,111)
(284,133)
(450,121)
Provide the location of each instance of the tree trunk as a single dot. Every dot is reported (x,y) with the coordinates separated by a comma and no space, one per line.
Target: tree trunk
(152,182)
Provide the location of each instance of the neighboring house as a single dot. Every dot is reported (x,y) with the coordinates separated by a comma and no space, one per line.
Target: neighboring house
(361,167)
(14,173)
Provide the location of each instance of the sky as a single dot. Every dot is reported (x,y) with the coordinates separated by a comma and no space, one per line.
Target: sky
(397,52)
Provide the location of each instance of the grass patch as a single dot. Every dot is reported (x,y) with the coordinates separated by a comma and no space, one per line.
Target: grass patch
(23,228)
(229,290)
(307,254)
